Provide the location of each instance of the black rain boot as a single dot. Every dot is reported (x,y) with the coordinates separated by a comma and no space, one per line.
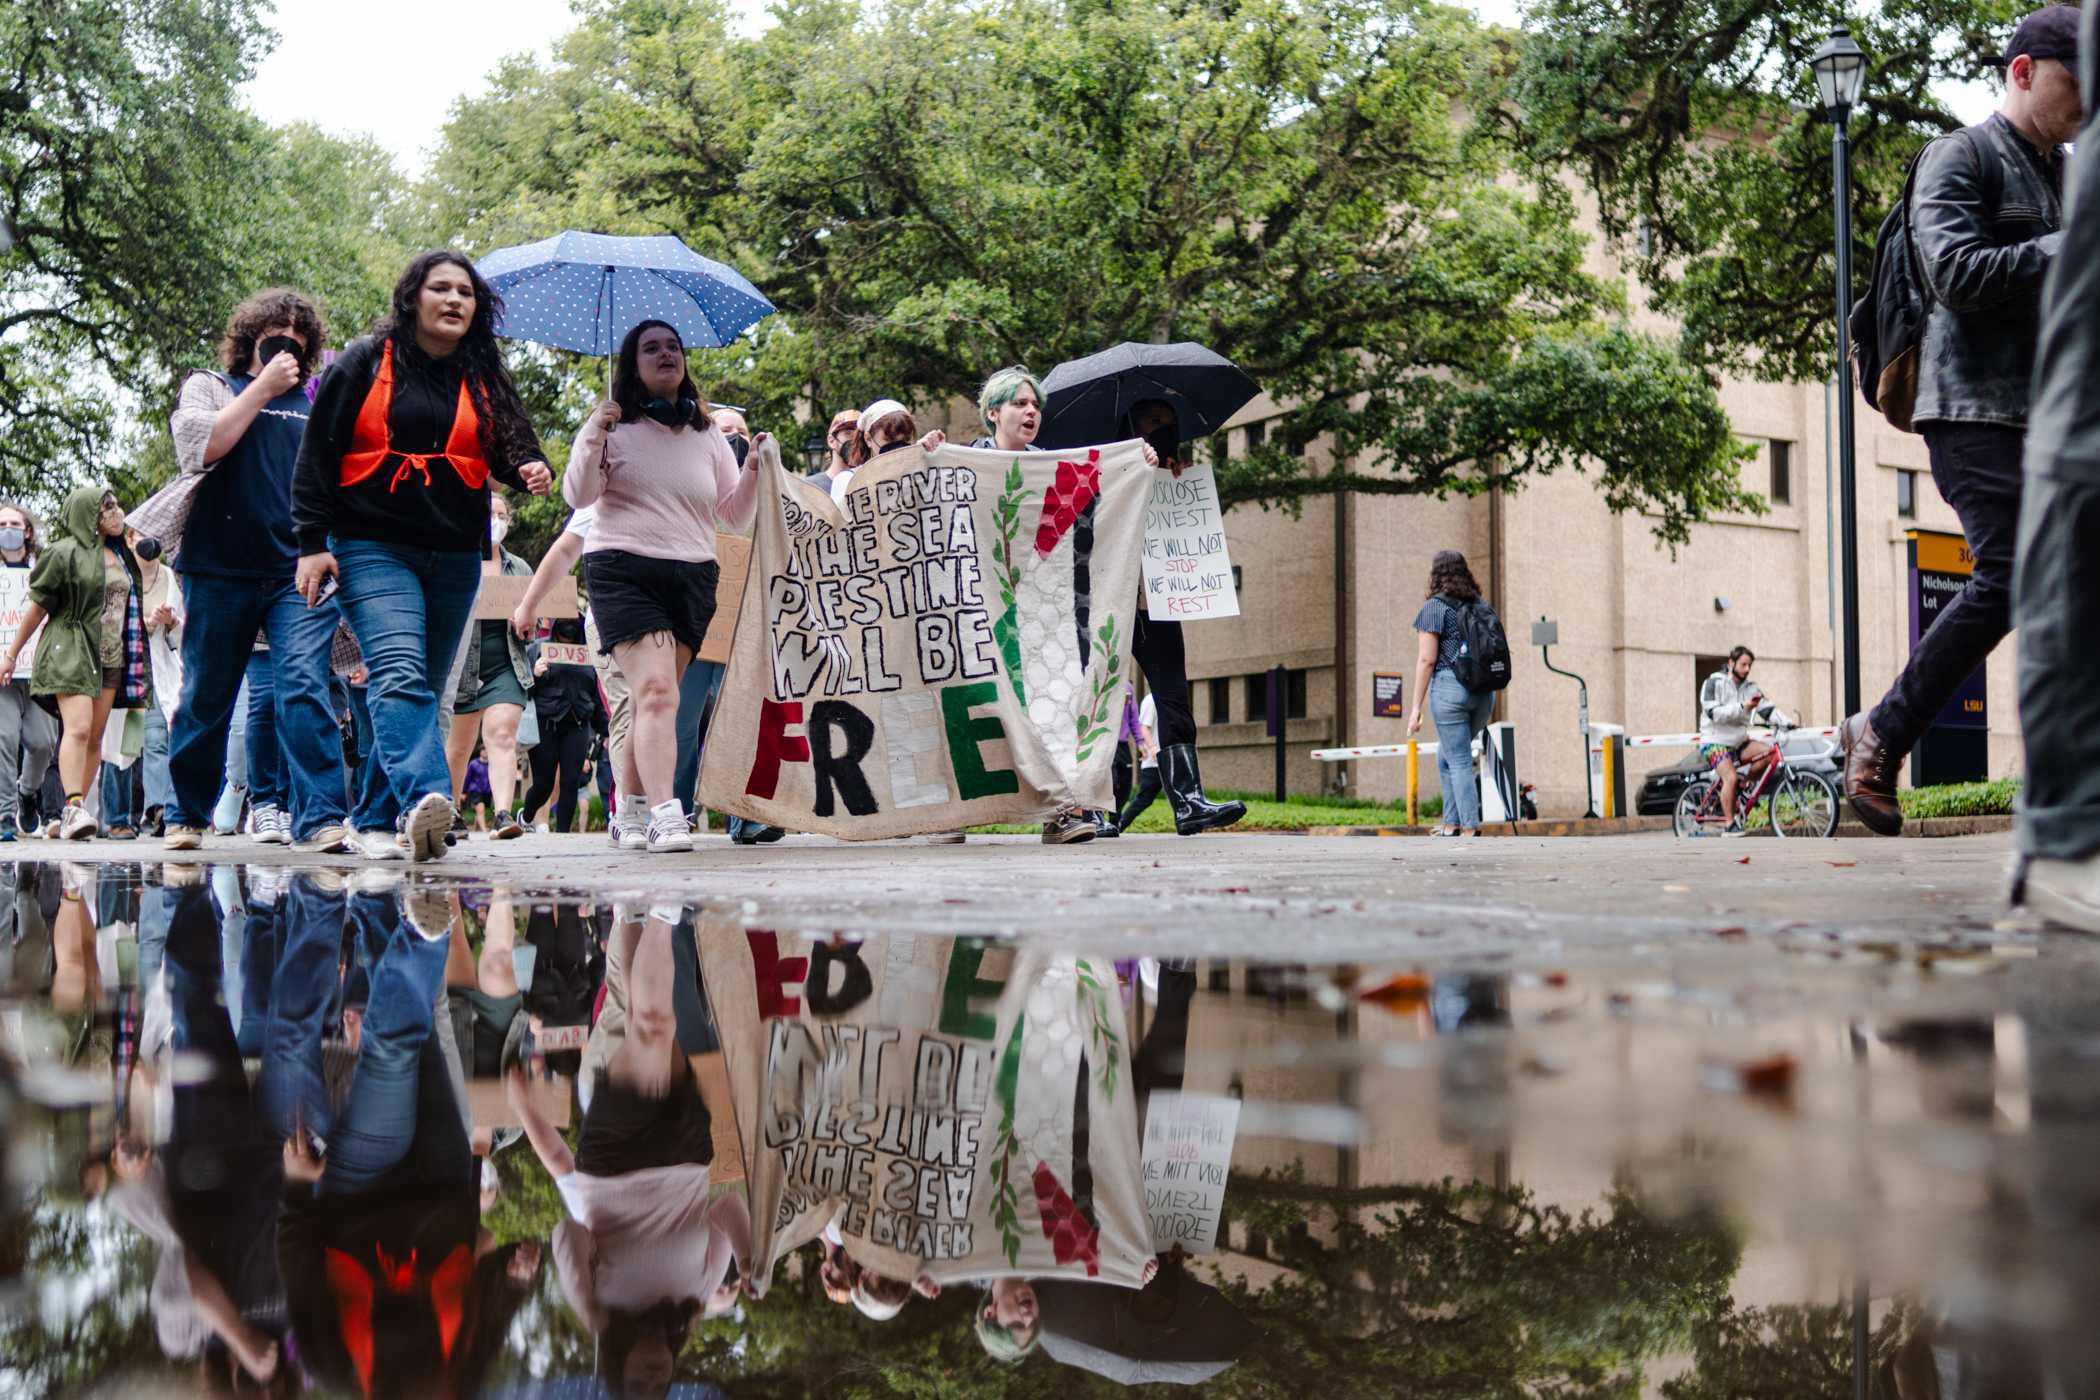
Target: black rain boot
(1193,812)
(1105,824)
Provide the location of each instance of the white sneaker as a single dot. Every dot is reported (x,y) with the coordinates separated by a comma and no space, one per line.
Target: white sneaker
(226,813)
(629,826)
(334,839)
(429,912)
(668,828)
(77,824)
(426,825)
(2063,891)
(375,881)
(383,845)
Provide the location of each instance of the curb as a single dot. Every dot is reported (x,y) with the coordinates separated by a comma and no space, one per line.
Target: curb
(1925,828)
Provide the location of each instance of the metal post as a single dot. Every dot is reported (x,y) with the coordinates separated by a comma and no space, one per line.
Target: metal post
(1414,778)
(1545,634)
(1279,722)
(1848,500)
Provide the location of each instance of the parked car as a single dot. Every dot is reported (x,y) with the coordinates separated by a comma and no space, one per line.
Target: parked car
(1658,795)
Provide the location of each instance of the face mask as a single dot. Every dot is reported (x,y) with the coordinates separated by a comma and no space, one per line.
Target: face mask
(277,345)
(13,537)
(740,445)
(1166,441)
(147,549)
(671,415)
(498,528)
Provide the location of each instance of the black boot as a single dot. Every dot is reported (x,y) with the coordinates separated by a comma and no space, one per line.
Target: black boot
(1193,812)
(1105,824)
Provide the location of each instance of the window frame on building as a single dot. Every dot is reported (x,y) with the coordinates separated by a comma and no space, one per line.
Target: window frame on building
(1906,494)
(1220,688)
(1781,452)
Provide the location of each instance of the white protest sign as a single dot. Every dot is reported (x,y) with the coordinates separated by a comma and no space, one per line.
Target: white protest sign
(14,599)
(1187,1153)
(1188,571)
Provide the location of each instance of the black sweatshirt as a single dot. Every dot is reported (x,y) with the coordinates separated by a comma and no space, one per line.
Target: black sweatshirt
(446,514)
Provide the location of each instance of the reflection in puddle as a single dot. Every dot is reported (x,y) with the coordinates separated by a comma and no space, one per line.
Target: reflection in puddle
(275,1133)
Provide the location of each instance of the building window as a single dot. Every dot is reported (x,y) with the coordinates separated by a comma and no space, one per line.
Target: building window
(1220,449)
(1221,699)
(1782,472)
(1702,667)
(1907,495)
(1294,701)
(1294,445)
(1257,434)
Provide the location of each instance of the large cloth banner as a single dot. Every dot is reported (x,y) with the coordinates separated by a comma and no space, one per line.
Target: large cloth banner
(958,1108)
(947,650)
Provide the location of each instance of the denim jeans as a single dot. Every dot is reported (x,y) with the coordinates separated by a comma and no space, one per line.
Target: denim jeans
(408,608)
(149,772)
(372,805)
(27,734)
(695,689)
(1976,467)
(1460,715)
(218,640)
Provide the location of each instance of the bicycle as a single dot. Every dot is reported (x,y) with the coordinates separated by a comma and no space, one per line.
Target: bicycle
(1797,802)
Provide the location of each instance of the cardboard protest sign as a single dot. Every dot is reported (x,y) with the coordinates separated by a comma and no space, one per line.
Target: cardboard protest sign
(1188,1154)
(948,649)
(733,553)
(1188,569)
(565,653)
(14,601)
(501,593)
(962,1108)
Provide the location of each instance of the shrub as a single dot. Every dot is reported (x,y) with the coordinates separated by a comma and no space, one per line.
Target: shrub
(1960,799)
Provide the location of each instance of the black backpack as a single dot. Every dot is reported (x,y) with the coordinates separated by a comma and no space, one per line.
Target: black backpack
(1888,322)
(1483,647)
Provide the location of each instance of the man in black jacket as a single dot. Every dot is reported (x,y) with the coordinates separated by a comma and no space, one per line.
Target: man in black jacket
(1986,220)
(2057,584)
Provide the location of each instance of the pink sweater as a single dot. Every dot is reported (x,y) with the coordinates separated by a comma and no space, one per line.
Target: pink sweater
(660,492)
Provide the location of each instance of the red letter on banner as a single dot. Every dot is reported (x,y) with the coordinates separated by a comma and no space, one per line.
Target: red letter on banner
(775,746)
(771,973)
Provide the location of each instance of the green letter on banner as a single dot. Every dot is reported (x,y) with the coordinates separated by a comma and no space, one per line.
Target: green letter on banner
(966,991)
(966,734)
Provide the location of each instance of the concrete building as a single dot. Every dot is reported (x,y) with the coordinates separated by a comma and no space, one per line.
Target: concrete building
(1331,595)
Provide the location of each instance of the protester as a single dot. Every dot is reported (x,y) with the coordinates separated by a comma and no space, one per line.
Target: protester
(883,426)
(571,719)
(1986,220)
(1148,787)
(495,685)
(92,657)
(1460,714)
(2056,583)
(839,438)
(228,520)
(28,738)
(1156,645)
(391,496)
(134,779)
(664,480)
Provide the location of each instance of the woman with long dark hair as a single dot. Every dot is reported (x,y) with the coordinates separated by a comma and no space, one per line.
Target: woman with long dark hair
(664,480)
(1460,714)
(391,497)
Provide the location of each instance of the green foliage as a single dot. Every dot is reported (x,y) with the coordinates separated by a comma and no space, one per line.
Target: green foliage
(1698,128)
(931,190)
(1994,798)
(1782,1353)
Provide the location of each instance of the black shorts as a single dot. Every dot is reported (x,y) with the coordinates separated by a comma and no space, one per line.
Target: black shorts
(633,595)
(628,1132)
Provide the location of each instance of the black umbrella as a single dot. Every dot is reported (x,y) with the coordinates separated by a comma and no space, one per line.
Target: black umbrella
(1176,1332)
(1087,399)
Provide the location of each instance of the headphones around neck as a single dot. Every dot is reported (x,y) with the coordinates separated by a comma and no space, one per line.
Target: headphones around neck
(673,414)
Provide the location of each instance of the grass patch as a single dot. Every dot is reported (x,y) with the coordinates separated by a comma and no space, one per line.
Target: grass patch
(1959,799)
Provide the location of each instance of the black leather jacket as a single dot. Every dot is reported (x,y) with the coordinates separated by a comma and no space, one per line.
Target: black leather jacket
(1986,219)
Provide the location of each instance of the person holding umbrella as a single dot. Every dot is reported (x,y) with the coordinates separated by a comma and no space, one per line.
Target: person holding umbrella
(391,498)
(664,480)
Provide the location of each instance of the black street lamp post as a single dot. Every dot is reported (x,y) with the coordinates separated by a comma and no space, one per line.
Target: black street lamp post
(1841,68)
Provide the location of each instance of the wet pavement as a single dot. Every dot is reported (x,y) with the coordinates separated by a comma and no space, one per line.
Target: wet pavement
(1260,1116)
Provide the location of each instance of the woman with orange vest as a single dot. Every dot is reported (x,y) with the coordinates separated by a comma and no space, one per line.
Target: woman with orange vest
(391,498)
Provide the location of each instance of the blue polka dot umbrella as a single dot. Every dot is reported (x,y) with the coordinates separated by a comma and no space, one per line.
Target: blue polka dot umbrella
(585,291)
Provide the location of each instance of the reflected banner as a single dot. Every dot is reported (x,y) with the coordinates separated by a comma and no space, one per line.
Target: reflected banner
(948,649)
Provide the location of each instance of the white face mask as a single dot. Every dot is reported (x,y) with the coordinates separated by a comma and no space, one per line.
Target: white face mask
(498,528)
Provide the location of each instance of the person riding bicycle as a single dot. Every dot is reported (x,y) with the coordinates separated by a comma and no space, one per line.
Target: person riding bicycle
(1728,702)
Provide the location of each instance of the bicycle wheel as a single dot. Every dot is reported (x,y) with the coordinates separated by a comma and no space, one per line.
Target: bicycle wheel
(1685,820)
(1804,804)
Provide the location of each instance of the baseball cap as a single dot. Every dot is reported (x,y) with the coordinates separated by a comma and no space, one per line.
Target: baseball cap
(2050,32)
(844,418)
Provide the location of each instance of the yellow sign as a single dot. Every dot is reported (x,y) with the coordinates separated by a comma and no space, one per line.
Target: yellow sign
(1940,552)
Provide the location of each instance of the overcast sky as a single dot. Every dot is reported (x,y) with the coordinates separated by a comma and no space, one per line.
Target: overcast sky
(341,64)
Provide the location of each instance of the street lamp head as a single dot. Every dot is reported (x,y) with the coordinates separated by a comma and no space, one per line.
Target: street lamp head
(1841,70)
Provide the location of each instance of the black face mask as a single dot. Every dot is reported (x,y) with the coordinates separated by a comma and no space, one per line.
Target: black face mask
(740,445)
(670,414)
(1166,441)
(277,345)
(147,549)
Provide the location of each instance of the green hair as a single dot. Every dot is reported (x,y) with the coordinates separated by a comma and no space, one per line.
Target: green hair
(1003,388)
(1002,1343)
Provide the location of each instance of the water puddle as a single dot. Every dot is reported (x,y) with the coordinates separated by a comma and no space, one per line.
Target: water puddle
(277,1133)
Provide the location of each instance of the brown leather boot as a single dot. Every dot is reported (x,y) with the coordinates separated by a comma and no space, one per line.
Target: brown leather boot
(1870,776)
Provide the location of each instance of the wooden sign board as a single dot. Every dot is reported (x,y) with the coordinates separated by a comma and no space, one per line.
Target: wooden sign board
(565,653)
(489,1103)
(500,596)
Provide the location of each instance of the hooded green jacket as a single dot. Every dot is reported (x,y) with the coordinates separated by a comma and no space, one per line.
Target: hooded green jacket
(67,583)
